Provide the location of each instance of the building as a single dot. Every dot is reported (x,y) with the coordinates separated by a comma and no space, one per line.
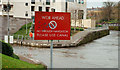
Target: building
(27,8)
(95,13)
(0,7)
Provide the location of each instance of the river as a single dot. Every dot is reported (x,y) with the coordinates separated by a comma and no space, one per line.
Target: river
(101,53)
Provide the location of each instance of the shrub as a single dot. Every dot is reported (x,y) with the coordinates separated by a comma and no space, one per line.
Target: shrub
(8,50)
(72,28)
(81,29)
(77,28)
(98,25)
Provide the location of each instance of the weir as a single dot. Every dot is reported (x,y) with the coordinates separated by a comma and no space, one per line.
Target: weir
(78,39)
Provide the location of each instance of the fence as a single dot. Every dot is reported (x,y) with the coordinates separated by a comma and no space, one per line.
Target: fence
(109,24)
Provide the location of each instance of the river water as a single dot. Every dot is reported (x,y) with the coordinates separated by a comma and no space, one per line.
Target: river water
(101,53)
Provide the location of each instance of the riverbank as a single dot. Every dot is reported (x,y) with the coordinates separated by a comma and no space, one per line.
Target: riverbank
(76,40)
(100,53)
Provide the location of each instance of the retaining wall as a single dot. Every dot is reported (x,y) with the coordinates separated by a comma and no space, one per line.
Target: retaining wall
(81,38)
(93,35)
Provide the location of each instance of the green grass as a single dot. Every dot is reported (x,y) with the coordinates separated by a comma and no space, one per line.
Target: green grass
(9,62)
(78,28)
(22,30)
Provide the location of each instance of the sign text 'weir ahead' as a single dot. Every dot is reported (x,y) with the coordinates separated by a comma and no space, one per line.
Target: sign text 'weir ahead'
(52,26)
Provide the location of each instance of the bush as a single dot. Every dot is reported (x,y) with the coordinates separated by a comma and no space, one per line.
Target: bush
(72,28)
(97,25)
(81,29)
(77,28)
(8,50)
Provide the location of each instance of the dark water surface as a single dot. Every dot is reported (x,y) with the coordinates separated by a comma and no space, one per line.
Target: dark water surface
(101,53)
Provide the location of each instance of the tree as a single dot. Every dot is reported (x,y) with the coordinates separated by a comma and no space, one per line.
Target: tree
(118,12)
(107,11)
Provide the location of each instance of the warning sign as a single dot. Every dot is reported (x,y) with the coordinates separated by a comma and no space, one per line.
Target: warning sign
(52,26)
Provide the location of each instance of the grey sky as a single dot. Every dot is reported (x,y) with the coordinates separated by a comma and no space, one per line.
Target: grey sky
(97,3)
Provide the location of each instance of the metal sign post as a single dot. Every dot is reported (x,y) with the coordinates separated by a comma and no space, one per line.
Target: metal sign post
(8,8)
(26,25)
(52,26)
(51,55)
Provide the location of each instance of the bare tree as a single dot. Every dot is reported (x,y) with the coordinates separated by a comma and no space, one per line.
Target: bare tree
(118,12)
(107,11)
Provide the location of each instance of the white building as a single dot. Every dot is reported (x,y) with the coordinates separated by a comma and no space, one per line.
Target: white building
(0,7)
(27,8)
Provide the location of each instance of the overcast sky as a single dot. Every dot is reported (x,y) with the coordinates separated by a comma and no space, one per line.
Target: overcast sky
(97,3)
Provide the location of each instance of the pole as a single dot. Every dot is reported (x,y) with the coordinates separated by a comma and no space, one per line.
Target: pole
(66,6)
(75,22)
(51,55)
(26,26)
(8,20)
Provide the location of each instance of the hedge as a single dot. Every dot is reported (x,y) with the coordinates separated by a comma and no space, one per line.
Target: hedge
(77,28)
(97,25)
(8,50)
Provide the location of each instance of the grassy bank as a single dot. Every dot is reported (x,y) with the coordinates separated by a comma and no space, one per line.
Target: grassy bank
(22,30)
(9,62)
(114,28)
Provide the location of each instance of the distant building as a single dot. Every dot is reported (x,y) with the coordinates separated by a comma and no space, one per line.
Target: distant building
(94,13)
(27,8)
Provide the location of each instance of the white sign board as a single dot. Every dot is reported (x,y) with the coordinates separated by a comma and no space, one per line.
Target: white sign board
(6,38)
(11,39)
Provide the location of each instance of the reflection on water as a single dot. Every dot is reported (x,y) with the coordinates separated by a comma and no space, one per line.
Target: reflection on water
(101,53)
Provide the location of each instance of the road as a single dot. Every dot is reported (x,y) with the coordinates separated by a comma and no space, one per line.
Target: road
(101,53)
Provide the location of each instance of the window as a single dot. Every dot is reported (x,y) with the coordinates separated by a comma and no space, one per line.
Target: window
(70,0)
(53,1)
(82,1)
(32,8)
(40,8)
(26,14)
(75,0)
(80,14)
(78,1)
(26,4)
(32,1)
(5,8)
(47,9)
(47,2)
(53,10)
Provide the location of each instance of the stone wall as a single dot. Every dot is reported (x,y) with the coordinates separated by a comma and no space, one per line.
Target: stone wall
(15,25)
(93,35)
